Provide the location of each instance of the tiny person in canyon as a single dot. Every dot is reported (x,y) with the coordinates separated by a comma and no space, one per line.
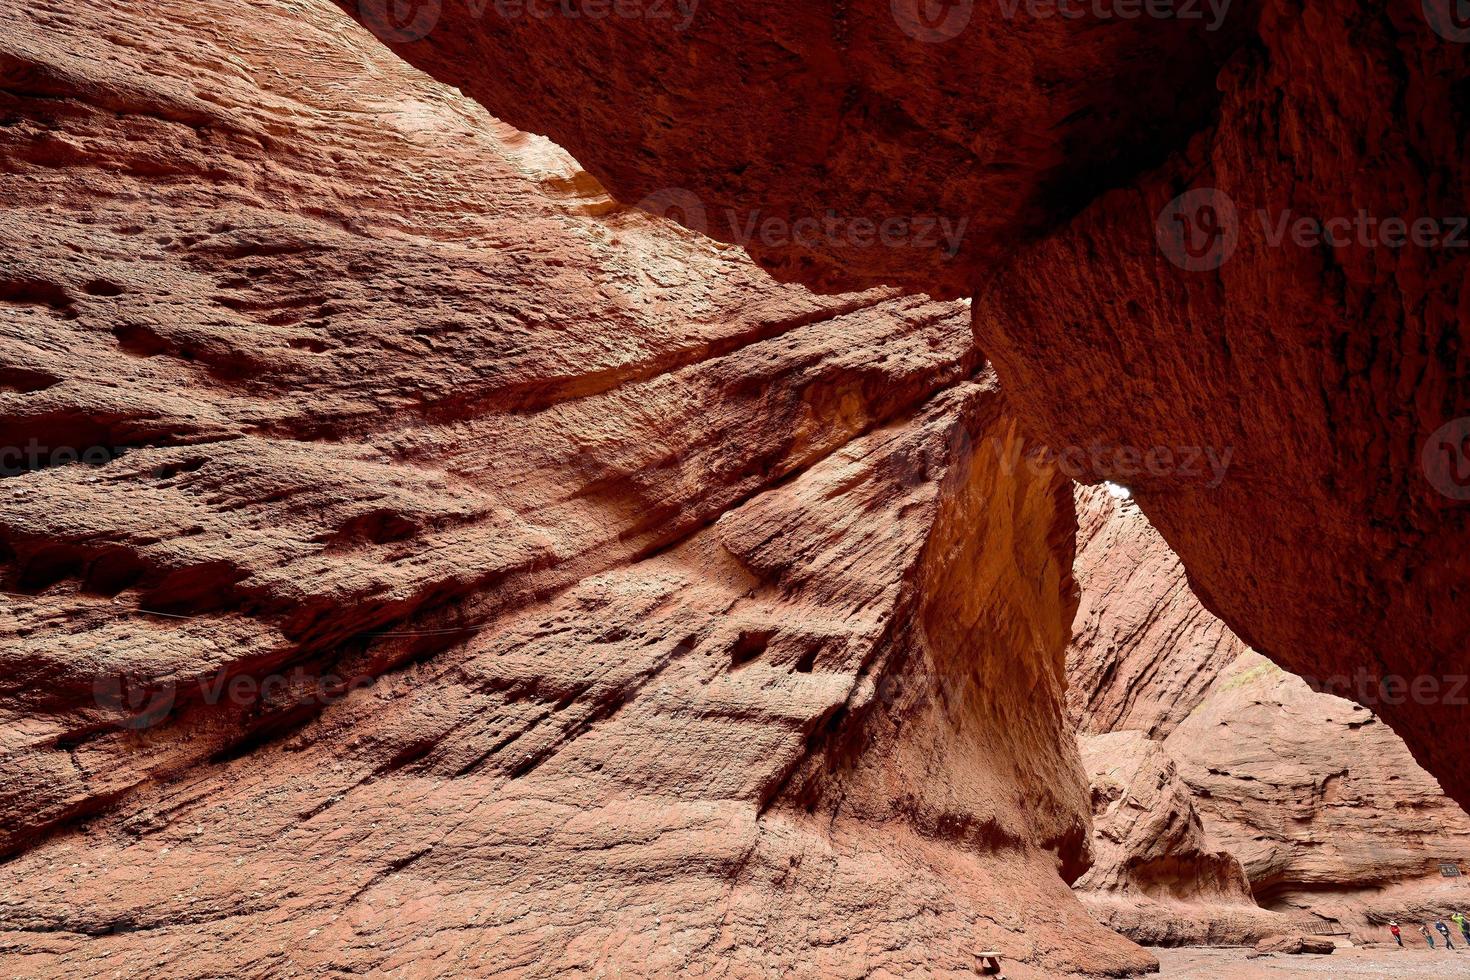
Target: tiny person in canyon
(1458,918)
(1393,927)
(1444,931)
(1428,936)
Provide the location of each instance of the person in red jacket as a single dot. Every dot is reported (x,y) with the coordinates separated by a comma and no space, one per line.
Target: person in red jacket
(1393,927)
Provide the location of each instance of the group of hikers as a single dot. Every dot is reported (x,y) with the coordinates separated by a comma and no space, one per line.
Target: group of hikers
(1458,919)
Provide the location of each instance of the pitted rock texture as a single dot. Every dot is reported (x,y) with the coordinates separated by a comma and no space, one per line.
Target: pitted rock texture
(1318,800)
(464,574)
(1322,375)
(333,404)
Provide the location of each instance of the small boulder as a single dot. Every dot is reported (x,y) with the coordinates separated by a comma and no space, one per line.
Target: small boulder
(1295,944)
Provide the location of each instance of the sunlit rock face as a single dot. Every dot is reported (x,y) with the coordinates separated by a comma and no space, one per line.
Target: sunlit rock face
(1204,755)
(425,563)
(1132,192)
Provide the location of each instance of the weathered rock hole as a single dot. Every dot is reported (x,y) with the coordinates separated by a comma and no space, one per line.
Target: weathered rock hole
(197,589)
(380,526)
(37,292)
(750,645)
(169,470)
(26,380)
(102,287)
(48,566)
(140,341)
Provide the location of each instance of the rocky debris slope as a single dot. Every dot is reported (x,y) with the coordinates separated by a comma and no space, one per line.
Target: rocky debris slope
(413,559)
(1318,800)
(1237,284)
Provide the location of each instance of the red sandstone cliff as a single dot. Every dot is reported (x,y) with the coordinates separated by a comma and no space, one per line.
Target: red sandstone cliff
(1128,191)
(463,573)
(1316,799)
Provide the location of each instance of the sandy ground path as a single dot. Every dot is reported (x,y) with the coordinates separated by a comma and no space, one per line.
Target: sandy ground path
(1377,962)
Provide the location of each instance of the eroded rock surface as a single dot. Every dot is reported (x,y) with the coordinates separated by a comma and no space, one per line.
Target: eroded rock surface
(1328,376)
(463,574)
(1320,801)
(1317,800)
(1158,876)
(759,121)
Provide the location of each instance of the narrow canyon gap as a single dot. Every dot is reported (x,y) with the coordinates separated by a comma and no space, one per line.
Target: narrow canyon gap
(1232,803)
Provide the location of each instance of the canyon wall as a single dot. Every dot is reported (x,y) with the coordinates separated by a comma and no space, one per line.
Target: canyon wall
(1316,802)
(1218,258)
(414,560)
(1160,877)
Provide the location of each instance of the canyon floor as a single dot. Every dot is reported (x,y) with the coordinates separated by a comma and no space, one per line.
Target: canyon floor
(1370,961)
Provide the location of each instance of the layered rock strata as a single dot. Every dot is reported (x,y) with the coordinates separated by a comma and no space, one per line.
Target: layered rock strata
(1214,751)
(415,561)
(1216,256)
(1159,877)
